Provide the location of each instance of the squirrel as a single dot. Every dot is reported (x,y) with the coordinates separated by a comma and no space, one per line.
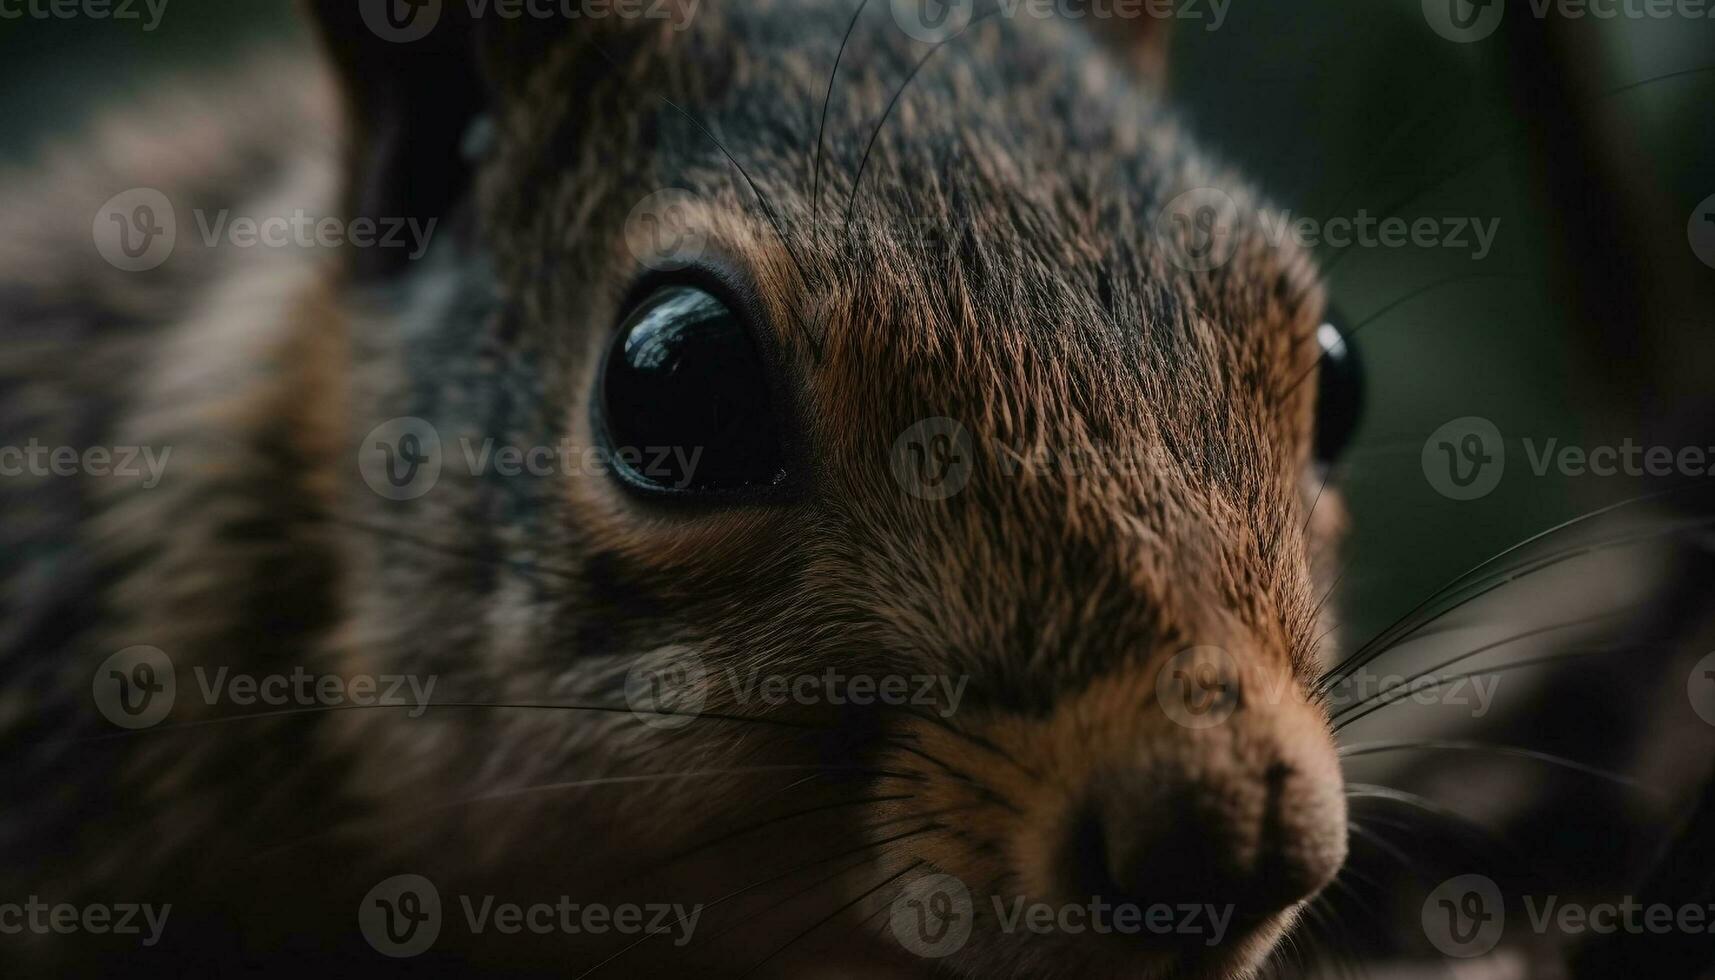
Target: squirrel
(932,370)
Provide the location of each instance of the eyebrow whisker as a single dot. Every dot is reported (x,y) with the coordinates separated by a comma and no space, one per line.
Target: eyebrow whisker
(857,179)
(821,129)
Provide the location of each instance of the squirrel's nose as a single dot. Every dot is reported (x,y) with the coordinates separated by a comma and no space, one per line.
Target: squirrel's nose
(1248,842)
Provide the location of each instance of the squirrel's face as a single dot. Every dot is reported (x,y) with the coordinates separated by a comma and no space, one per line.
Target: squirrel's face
(963,406)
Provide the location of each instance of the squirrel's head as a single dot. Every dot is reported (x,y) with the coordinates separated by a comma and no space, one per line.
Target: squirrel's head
(940,430)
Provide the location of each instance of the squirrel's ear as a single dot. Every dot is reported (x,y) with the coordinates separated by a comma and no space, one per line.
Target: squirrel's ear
(412,84)
(1142,41)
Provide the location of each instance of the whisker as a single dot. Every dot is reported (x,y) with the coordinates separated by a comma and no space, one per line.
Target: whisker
(1501,580)
(926,828)
(649,742)
(767,210)
(1376,791)
(821,129)
(1328,593)
(1681,875)
(1485,648)
(1439,682)
(982,789)
(761,198)
(1308,929)
(452,551)
(1327,475)
(890,879)
(657,777)
(1289,950)
(1473,160)
(973,738)
(1432,108)
(1390,849)
(863,924)
(857,180)
(1340,885)
(1450,745)
(1323,937)
(773,905)
(419,812)
(1395,304)
(757,914)
(448,705)
(1391,634)
(752,828)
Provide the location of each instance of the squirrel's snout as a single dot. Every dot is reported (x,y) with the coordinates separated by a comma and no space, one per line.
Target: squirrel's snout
(1248,843)
(1185,817)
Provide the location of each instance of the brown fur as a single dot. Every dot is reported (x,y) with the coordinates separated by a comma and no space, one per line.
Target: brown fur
(1046,319)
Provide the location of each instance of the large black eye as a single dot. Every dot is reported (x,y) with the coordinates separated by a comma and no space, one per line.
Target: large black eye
(685,398)
(1340,393)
